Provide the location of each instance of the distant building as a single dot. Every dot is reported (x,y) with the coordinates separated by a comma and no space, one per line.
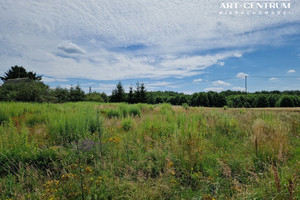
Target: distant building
(17,80)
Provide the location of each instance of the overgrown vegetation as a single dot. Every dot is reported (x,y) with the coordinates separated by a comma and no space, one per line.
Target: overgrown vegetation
(87,150)
(30,89)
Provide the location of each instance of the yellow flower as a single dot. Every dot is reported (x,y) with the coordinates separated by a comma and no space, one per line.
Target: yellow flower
(170,164)
(115,140)
(173,181)
(88,170)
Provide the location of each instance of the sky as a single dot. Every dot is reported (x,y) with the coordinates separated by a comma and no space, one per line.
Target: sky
(175,45)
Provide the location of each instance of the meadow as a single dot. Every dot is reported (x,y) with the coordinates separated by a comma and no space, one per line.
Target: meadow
(89,150)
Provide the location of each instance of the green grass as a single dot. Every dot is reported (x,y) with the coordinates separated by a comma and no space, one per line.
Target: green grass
(121,151)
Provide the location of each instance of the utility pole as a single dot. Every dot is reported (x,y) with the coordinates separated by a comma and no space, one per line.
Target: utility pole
(246,84)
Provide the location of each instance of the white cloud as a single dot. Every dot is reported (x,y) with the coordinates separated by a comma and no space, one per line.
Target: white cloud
(219,82)
(48,79)
(238,55)
(241,75)
(94,34)
(158,83)
(238,88)
(214,89)
(70,48)
(291,71)
(197,80)
(273,79)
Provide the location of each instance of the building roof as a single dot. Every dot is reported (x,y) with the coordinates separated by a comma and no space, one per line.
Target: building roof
(17,80)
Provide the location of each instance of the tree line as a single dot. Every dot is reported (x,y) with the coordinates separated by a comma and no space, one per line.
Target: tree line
(32,89)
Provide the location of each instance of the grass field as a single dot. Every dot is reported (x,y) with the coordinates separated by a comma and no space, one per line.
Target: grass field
(121,151)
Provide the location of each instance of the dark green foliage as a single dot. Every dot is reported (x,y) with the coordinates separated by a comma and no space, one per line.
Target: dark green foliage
(11,161)
(76,94)
(134,111)
(158,100)
(24,91)
(118,94)
(202,99)
(3,117)
(19,72)
(272,99)
(183,99)
(61,95)
(114,113)
(130,96)
(95,96)
(261,101)
(194,100)
(285,101)
(140,93)
(143,94)
(219,100)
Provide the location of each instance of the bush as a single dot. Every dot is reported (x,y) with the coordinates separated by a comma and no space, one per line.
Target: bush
(134,111)
(24,91)
(185,106)
(114,113)
(127,124)
(285,101)
(3,117)
(261,101)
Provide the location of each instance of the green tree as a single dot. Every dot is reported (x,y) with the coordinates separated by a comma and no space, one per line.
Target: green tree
(219,100)
(137,93)
(202,99)
(261,101)
(61,95)
(104,97)
(76,94)
(130,95)
(143,94)
(118,94)
(193,101)
(285,101)
(25,91)
(19,72)
(94,96)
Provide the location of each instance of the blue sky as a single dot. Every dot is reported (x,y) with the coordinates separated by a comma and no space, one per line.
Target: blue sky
(184,46)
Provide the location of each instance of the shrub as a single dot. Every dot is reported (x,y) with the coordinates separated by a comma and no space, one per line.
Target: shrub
(33,120)
(285,101)
(261,101)
(24,91)
(113,113)
(3,117)
(123,109)
(134,111)
(185,106)
(127,124)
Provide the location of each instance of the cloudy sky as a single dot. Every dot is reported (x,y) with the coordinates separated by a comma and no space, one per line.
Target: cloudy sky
(179,45)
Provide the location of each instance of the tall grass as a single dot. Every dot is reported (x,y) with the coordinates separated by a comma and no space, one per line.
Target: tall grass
(120,151)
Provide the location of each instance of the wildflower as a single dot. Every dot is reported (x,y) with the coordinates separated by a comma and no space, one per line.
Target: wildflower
(170,164)
(115,140)
(99,180)
(173,181)
(88,170)
(208,197)
(172,172)
(73,166)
